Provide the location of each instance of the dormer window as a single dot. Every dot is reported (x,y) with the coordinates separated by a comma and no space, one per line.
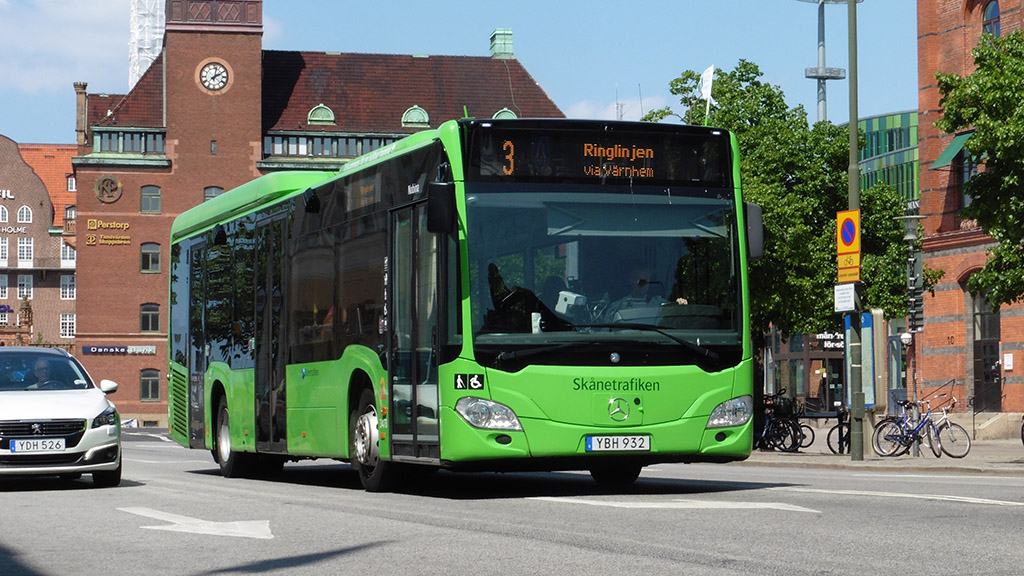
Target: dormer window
(320,115)
(416,117)
(504,114)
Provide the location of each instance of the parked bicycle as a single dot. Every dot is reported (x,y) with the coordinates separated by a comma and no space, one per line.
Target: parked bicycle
(780,430)
(955,440)
(894,435)
(838,438)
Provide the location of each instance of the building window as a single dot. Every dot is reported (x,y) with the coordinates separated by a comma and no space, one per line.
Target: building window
(3,214)
(67,287)
(24,215)
(3,319)
(504,114)
(149,318)
(67,254)
(3,287)
(72,184)
(70,212)
(964,169)
(320,115)
(990,18)
(67,325)
(211,192)
(25,251)
(149,385)
(150,257)
(3,251)
(150,200)
(24,286)
(416,117)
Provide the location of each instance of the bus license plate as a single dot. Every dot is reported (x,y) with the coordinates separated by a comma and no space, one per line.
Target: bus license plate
(38,445)
(635,443)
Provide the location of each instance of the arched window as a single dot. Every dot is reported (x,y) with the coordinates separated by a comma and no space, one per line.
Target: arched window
(149,318)
(24,215)
(3,214)
(150,200)
(150,257)
(990,18)
(504,114)
(149,385)
(416,117)
(320,115)
(211,192)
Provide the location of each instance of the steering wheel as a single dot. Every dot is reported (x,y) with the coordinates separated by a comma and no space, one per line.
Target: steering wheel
(49,385)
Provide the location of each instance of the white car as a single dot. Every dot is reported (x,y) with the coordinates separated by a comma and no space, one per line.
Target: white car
(54,420)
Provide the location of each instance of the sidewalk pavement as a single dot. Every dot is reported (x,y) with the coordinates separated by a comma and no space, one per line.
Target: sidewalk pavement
(1000,457)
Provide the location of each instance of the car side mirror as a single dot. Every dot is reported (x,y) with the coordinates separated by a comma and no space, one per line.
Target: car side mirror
(108,386)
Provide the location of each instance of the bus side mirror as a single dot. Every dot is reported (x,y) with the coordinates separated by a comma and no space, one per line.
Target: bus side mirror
(755,230)
(441,207)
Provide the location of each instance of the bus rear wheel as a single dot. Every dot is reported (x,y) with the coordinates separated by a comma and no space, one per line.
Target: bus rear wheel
(616,476)
(364,437)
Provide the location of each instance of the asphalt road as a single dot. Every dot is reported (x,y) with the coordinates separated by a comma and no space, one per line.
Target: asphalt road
(174,514)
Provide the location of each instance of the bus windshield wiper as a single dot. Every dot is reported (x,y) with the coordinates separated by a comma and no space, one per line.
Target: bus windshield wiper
(697,349)
(528,352)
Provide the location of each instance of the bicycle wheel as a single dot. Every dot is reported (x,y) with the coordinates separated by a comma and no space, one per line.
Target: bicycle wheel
(932,433)
(888,438)
(956,443)
(836,444)
(785,435)
(806,436)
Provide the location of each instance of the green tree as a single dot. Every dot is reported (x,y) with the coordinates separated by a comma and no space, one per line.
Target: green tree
(989,101)
(798,174)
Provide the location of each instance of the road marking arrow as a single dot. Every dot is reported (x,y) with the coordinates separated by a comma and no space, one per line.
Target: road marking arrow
(241,529)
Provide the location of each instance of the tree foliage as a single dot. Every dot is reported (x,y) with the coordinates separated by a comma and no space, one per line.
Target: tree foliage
(798,174)
(989,101)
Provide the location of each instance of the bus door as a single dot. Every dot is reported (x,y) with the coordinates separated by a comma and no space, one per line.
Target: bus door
(270,352)
(412,342)
(197,334)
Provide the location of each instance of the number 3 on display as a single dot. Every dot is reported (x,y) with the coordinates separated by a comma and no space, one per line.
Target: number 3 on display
(511,149)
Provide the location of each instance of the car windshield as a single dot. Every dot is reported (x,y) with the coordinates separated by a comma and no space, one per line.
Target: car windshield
(28,371)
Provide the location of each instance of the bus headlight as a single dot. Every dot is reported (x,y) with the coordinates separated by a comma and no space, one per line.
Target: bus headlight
(734,412)
(483,413)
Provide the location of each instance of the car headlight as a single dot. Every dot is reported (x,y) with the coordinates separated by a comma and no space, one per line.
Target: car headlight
(106,418)
(483,413)
(734,412)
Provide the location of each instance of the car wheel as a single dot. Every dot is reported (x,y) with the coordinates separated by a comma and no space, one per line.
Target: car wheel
(107,478)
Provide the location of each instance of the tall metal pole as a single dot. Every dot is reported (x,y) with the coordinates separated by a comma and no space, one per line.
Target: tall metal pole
(856,384)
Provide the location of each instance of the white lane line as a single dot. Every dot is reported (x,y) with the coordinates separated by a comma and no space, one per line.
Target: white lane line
(960,499)
(680,504)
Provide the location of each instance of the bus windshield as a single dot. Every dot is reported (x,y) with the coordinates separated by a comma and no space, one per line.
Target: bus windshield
(563,264)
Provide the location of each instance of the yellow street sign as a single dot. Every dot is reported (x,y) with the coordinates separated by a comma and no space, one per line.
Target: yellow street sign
(848,260)
(849,275)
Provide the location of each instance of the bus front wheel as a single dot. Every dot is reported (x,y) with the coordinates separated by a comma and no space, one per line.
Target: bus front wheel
(232,464)
(364,437)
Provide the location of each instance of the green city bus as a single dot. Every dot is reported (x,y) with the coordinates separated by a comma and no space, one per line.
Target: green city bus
(491,295)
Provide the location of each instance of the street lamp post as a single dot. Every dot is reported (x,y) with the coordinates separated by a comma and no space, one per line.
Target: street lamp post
(910,223)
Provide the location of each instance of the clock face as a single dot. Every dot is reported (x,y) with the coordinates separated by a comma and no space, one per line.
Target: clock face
(214,76)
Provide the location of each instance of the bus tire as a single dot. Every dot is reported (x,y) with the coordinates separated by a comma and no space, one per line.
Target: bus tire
(232,464)
(615,476)
(376,475)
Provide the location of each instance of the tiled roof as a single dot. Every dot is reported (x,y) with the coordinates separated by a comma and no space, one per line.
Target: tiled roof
(52,163)
(368,93)
(140,108)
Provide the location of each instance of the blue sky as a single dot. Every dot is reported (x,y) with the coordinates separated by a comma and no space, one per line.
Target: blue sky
(595,58)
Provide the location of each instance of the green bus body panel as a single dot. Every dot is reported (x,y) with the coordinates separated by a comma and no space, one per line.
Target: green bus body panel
(675,415)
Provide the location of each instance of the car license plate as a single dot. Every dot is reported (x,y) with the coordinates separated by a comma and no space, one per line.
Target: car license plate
(38,445)
(634,443)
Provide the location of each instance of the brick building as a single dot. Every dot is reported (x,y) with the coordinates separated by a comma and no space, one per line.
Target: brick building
(37,258)
(214,111)
(963,344)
